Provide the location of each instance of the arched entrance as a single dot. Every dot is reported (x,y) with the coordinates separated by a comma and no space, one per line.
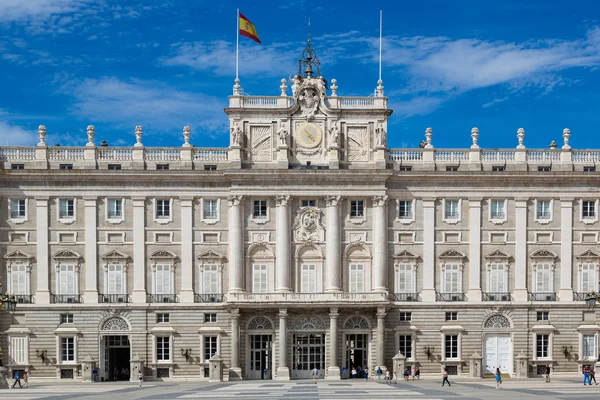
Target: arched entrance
(308,347)
(115,349)
(260,347)
(356,344)
(497,345)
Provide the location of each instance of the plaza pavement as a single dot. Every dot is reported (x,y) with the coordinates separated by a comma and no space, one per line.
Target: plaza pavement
(428,389)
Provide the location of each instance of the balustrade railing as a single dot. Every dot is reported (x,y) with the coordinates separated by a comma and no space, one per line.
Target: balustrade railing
(163,298)
(260,101)
(580,156)
(405,155)
(356,102)
(17,153)
(210,154)
(543,296)
(62,153)
(405,297)
(66,298)
(543,155)
(497,155)
(451,297)
(209,298)
(114,298)
(306,297)
(497,296)
(114,154)
(162,154)
(451,155)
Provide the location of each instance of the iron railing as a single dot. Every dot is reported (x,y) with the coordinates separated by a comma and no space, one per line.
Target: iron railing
(114,298)
(66,298)
(405,297)
(543,296)
(163,298)
(451,297)
(209,298)
(497,296)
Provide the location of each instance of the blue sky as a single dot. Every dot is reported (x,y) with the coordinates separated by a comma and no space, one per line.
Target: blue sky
(449,65)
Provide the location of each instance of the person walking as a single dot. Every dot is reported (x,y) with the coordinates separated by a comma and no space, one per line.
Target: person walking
(418,373)
(413,372)
(140,378)
(17,380)
(548,373)
(445,375)
(406,373)
(26,378)
(315,374)
(593,375)
(498,378)
(366,374)
(379,372)
(387,377)
(586,375)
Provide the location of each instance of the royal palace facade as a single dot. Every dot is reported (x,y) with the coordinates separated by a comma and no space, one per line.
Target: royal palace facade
(306,243)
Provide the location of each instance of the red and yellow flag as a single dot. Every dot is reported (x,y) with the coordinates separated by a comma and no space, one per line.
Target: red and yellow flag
(247,29)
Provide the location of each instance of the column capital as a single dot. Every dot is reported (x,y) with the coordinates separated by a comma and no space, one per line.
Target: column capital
(186,201)
(381,312)
(282,200)
(139,201)
(475,202)
(379,201)
(332,201)
(235,200)
(333,312)
(234,314)
(90,201)
(283,313)
(428,201)
(521,201)
(567,202)
(42,201)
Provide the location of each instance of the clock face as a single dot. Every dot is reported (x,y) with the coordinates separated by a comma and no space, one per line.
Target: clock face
(309,135)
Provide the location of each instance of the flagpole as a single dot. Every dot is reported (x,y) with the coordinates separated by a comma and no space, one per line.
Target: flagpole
(237,44)
(380,39)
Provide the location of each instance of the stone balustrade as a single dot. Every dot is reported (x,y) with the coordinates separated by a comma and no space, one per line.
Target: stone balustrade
(306,298)
(270,102)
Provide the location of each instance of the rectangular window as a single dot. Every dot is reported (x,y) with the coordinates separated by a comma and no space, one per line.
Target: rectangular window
(544,169)
(65,166)
(588,209)
(162,348)
(67,349)
(66,279)
(405,279)
(17,208)
(405,345)
(451,209)
(589,168)
(589,346)
(210,279)
(162,166)
(210,347)
(498,168)
(357,278)
(497,209)
(543,315)
(452,278)
(163,208)
(405,168)
(405,209)
(115,208)
(115,279)
(114,166)
(308,279)
(163,279)
(210,167)
(498,282)
(308,203)
(357,208)
(66,208)
(452,316)
(543,209)
(18,350)
(259,210)
(210,317)
(588,277)
(66,318)
(451,347)
(542,342)
(162,317)
(209,209)
(17,166)
(451,168)
(259,278)
(18,277)
(405,316)
(543,278)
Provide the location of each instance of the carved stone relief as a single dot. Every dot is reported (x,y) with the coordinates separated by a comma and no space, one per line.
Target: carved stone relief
(307,225)
(358,143)
(260,147)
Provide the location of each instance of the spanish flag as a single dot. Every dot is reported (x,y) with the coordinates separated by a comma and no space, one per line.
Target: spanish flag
(247,29)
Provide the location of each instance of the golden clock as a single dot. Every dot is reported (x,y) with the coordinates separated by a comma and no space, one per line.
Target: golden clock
(309,135)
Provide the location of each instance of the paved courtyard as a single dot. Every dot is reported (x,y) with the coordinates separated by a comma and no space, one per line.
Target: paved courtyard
(359,389)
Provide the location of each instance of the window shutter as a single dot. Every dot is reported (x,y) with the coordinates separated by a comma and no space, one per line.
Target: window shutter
(19,279)
(357,278)
(493,278)
(163,279)
(67,279)
(210,283)
(501,276)
(451,278)
(405,278)
(259,278)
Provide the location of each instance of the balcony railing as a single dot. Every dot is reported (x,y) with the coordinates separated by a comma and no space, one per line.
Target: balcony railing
(66,298)
(405,297)
(114,298)
(451,297)
(163,298)
(209,298)
(497,296)
(579,296)
(369,297)
(24,298)
(542,297)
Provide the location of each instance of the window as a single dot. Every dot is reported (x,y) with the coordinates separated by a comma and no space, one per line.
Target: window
(308,279)
(452,316)
(210,279)
(67,349)
(498,278)
(210,347)
(259,278)
(18,279)
(66,279)
(405,316)
(259,210)
(405,168)
(18,208)
(115,208)
(543,315)
(542,342)
(163,209)
(451,348)
(18,350)
(210,317)
(357,278)
(405,345)
(162,279)
(405,279)
(543,209)
(66,318)
(589,347)
(498,168)
(357,208)
(591,168)
(210,209)
(162,348)
(308,203)
(162,317)
(211,167)
(543,278)
(451,168)
(588,209)
(66,208)
(17,166)
(497,209)
(451,210)
(405,209)
(114,166)
(452,279)
(115,279)
(588,278)
(162,166)
(65,166)
(544,169)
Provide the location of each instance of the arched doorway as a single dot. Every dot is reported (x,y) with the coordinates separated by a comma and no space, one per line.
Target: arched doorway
(308,347)
(115,349)
(260,348)
(497,345)
(356,344)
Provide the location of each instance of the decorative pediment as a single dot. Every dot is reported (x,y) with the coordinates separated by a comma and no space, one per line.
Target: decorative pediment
(115,255)
(543,253)
(210,255)
(497,254)
(262,250)
(307,225)
(404,255)
(357,250)
(588,254)
(163,254)
(454,254)
(66,255)
(17,255)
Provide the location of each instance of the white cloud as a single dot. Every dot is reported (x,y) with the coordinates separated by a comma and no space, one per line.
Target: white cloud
(19,10)
(14,135)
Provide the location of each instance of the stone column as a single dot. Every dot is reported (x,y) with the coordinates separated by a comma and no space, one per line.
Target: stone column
(428,294)
(380,244)
(566,250)
(283,245)
(283,371)
(42,294)
(474,294)
(235,372)
(333,371)
(520,292)
(236,244)
(381,338)
(90,295)
(333,245)
(186,294)
(139,250)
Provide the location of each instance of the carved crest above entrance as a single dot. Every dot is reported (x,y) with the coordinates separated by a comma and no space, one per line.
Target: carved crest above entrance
(308,226)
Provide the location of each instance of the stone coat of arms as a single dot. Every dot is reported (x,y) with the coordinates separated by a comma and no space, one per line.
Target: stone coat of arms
(308,226)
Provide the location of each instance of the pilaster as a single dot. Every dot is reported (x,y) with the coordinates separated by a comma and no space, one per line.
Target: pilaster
(90,296)
(566,250)
(474,294)
(428,294)
(380,244)
(186,294)
(236,244)
(333,245)
(520,291)
(282,275)
(139,250)
(42,295)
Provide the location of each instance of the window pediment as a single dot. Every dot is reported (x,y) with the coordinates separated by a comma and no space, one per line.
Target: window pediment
(544,254)
(162,255)
(210,255)
(588,255)
(66,255)
(452,255)
(406,256)
(115,256)
(17,255)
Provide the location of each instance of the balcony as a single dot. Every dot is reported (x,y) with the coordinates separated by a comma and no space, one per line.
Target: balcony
(543,297)
(311,298)
(579,296)
(66,298)
(114,298)
(163,298)
(405,297)
(23,298)
(497,296)
(209,298)
(451,297)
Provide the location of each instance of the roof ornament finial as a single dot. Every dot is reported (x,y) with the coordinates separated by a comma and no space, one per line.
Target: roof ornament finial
(309,64)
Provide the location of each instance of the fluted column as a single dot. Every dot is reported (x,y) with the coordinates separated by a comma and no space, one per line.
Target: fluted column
(283,244)
(42,294)
(333,371)
(90,294)
(236,244)
(428,293)
(235,372)
(333,246)
(566,250)
(139,250)
(186,294)
(520,291)
(283,371)
(381,337)
(380,244)
(474,294)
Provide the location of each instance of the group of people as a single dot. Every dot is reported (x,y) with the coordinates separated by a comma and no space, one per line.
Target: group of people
(122,375)
(18,379)
(414,372)
(589,375)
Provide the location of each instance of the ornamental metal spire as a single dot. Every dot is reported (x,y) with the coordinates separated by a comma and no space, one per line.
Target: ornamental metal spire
(309,60)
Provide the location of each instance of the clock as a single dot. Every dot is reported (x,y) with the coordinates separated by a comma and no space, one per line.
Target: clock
(309,135)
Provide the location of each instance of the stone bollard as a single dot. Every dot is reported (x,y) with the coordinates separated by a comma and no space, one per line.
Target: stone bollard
(136,365)
(215,372)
